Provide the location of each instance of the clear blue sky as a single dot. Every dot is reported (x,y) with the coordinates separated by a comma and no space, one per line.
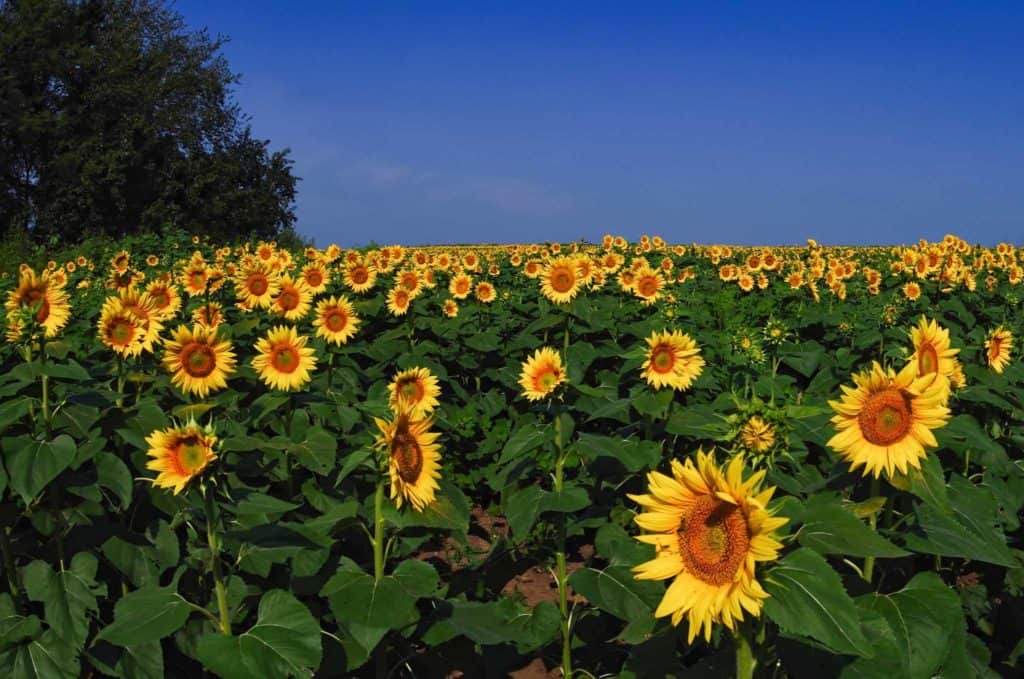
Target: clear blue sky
(701,122)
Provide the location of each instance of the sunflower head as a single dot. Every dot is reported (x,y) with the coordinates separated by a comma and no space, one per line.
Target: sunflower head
(283,361)
(180,454)
(542,373)
(413,458)
(709,527)
(41,301)
(198,361)
(673,360)
(886,420)
(998,347)
(415,390)
(561,279)
(335,320)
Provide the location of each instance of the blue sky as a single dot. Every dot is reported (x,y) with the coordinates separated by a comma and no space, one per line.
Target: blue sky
(743,123)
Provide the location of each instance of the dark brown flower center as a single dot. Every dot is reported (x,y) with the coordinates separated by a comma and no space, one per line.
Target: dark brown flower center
(714,540)
(886,417)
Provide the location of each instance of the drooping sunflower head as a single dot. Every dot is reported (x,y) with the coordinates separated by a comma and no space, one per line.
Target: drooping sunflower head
(209,315)
(998,347)
(542,373)
(560,279)
(886,420)
(673,360)
(180,454)
(335,320)
(413,459)
(709,527)
(198,361)
(415,390)
(283,361)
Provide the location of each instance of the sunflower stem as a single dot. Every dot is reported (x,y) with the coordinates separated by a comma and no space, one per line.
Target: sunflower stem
(218,580)
(745,661)
(378,532)
(561,576)
(120,381)
(45,406)
(869,561)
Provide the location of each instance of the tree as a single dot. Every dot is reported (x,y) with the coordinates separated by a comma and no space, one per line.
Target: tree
(115,119)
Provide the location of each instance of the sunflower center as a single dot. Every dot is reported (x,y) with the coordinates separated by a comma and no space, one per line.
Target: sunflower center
(160,299)
(714,540)
(562,280)
(198,359)
(314,278)
(336,320)
(927,359)
(462,287)
(359,276)
(198,279)
(647,287)
(546,380)
(663,359)
(191,454)
(995,348)
(411,390)
(886,417)
(285,359)
(407,456)
(288,300)
(121,332)
(258,284)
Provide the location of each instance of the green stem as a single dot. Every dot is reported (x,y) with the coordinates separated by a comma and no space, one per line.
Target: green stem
(12,573)
(330,369)
(46,386)
(120,381)
(378,533)
(561,577)
(869,561)
(218,580)
(745,661)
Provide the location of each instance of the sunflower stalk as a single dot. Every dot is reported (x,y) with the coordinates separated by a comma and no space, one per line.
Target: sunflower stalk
(120,381)
(869,561)
(45,379)
(745,660)
(561,577)
(378,532)
(213,540)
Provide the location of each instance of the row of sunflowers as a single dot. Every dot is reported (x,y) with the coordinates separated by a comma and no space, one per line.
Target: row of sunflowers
(343,462)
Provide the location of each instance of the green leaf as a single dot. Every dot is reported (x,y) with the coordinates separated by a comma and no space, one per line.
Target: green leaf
(317,452)
(14,410)
(497,622)
(146,615)
(448,511)
(355,597)
(804,357)
(929,484)
(653,403)
(807,599)
(523,440)
(68,597)
(830,528)
(48,657)
(33,464)
(615,591)
(697,421)
(525,505)
(284,642)
(633,454)
(912,629)
(113,475)
(417,578)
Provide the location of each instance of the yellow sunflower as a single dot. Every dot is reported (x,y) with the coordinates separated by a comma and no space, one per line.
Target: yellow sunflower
(360,277)
(180,454)
(165,298)
(399,300)
(50,302)
(673,360)
(195,277)
(293,299)
(417,389)
(709,529)
(998,347)
(648,285)
(283,360)
(413,459)
(257,285)
(120,329)
(885,422)
(460,286)
(209,315)
(757,435)
(316,277)
(542,373)
(560,280)
(451,308)
(485,292)
(335,320)
(145,309)
(199,363)
(932,352)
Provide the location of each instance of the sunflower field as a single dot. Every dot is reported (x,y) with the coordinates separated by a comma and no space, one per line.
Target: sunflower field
(588,460)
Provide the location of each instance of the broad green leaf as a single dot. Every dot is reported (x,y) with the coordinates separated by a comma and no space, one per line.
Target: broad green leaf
(807,599)
(317,452)
(113,475)
(525,505)
(33,464)
(523,440)
(68,597)
(830,528)
(146,615)
(615,590)
(48,657)
(355,597)
(929,484)
(284,642)
(633,454)
(448,511)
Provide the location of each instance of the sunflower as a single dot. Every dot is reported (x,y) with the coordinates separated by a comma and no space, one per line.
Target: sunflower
(911,291)
(316,276)
(335,320)
(709,529)
(284,361)
(39,293)
(398,301)
(166,298)
(293,300)
(885,422)
(360,277)
(199,362)
(451,308)
(209,315)
(485,292)
(673,359)
(195,277)
(998,347)
(144,308)
(932,352)
(413,459)
(648,284)
(560,280)
(119,262)
(180,454)
(257,285)
(541,373)
(757,435)
(416,389)
(120,329)
(460,286)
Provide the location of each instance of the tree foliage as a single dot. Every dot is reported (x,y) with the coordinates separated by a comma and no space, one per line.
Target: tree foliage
(115,119)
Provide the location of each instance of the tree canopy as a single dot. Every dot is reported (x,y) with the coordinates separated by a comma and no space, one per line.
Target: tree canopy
(115,119)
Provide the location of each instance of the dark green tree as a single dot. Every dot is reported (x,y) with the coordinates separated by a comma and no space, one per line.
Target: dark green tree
(116,119)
